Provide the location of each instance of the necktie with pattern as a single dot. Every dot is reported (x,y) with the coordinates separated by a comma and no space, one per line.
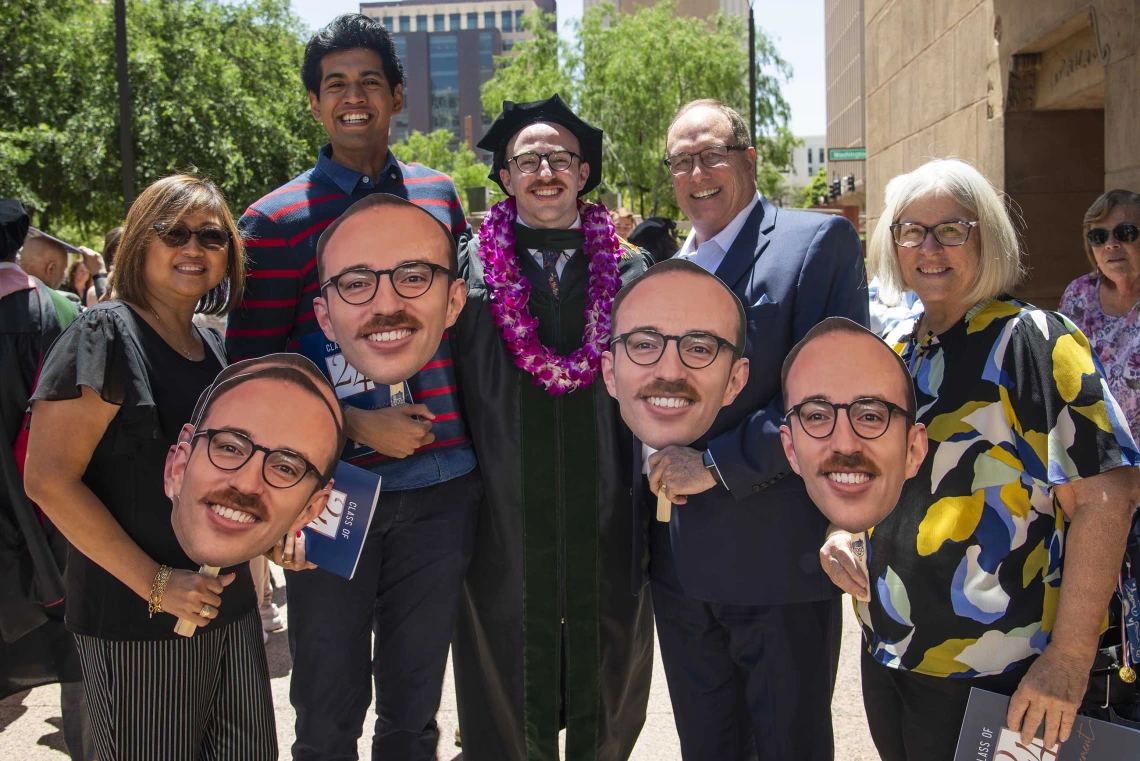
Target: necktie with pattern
(550,267)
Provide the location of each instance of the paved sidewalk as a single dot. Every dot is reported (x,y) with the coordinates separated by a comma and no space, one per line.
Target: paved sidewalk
(30,727)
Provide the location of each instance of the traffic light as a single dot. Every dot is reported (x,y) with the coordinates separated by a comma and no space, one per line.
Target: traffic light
(836,188)
(850,183)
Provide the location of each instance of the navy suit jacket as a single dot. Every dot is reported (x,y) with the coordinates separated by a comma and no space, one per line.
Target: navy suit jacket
(757,541)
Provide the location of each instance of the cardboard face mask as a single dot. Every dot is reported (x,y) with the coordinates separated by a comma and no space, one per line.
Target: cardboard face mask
(243,474)
(389,290)
(674,362)
(849,432)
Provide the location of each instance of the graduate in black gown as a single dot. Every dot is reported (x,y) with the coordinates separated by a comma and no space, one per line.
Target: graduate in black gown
(551,633)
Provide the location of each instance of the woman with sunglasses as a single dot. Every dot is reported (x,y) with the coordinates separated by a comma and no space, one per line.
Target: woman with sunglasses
(113,394)
(996,567)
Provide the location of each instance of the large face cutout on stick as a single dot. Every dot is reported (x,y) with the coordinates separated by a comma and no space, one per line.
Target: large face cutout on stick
(850,430)
(254,464)
(388,286)
(675,359)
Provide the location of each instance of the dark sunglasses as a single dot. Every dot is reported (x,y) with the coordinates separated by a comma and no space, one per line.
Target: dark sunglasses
(178,235)
(1124,233)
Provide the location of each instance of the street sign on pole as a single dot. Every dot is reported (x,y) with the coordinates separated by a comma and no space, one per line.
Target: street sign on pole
(846,154)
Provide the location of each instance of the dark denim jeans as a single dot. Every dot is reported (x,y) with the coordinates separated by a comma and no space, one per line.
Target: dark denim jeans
(391,625)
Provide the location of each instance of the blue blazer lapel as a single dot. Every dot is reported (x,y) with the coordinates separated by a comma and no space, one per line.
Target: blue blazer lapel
(735,270)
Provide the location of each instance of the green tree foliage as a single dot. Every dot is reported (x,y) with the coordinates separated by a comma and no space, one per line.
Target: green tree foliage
(214,86)
(629,73)
(434,150)
(810,196)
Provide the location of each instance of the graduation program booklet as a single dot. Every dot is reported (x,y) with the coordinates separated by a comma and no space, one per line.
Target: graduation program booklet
(984,737)
(335,538)
(352,388)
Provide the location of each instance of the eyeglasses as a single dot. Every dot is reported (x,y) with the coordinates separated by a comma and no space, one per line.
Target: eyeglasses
(281,468)
(711,157)
(951,233)
(869,417)
(697,350)
(558,161)
(410,281)
(1124,233)
(177,236)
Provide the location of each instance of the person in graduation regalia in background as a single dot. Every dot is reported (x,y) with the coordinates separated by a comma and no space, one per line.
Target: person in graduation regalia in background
(550,633)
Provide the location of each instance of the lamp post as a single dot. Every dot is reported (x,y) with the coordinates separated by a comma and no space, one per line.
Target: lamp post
(126,144)
(752,71)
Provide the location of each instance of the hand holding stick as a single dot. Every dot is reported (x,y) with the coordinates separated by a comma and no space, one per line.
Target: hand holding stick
(184,627)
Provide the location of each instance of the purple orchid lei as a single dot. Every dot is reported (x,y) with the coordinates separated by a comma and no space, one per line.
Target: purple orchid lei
(510,292)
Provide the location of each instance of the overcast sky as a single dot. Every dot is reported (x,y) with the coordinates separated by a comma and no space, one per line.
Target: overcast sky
(796,25)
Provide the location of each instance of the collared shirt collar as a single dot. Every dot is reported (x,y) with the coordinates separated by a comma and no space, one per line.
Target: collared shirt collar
(349,180)
(566,254)
(726,237)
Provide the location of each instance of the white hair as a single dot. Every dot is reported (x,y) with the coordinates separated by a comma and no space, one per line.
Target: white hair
(1000,262)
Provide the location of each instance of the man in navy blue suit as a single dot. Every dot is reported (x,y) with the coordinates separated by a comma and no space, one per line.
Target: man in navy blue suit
(748,622)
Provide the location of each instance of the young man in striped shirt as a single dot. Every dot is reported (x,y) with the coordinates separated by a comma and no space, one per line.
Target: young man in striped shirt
(406,587)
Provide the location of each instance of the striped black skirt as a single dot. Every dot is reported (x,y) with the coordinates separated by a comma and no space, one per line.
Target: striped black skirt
(202,698)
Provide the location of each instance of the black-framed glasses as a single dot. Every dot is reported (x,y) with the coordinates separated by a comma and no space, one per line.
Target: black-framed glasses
(178,235)
(697,350)
(281,468)
(1125,232)
(558,161)
(869,417)
(954,232)
(711,157)
(410,281)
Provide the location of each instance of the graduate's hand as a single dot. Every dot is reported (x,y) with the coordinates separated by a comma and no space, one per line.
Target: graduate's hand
(681,471)
(840,565)
(93,260)
(187,591)
(391,431)
(289,553)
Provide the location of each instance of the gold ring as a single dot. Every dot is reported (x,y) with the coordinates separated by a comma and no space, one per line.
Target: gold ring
(287,561)
(205,611)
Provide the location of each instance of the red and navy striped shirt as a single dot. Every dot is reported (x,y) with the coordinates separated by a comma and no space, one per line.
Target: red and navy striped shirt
(281,232)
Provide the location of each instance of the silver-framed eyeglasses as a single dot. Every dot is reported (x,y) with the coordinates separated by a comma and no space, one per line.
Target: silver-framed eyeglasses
(410,281)
(869,417)
(697,350)
(281,468)
(558,161)
(954,232)
(711,157)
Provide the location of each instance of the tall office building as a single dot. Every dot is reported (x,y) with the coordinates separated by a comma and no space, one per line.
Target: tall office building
(846,117)
(448,50)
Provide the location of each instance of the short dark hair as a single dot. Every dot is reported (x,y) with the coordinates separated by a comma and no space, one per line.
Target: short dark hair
(843,325)
(351,31)
(292,368)
(689,268)
(377,200)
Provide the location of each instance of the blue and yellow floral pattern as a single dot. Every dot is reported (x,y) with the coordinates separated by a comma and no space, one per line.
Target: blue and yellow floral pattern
(966,572)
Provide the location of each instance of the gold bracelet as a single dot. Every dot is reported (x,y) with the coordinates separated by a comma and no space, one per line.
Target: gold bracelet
(157,589)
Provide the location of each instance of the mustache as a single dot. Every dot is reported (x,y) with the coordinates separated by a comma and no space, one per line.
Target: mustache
(231,497)
(856,461)
(679,387)
(382,322)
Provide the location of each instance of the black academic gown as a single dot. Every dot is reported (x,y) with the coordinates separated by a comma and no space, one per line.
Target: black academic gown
(554,544)
(35,648)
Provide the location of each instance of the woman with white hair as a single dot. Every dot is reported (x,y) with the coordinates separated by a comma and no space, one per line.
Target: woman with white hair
(996,567)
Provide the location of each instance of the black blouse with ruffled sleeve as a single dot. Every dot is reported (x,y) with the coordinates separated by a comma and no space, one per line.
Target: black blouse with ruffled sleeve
(118,355)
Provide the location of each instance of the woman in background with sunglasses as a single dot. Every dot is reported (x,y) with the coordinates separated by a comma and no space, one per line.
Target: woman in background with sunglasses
(997,564)
(113,394)
(1105,304)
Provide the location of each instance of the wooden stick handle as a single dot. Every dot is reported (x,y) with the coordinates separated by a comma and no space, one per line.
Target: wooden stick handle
(396,395)
(184,627)
(664,507)
(859,547)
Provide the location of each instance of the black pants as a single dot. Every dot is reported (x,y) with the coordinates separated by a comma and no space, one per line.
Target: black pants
(204,698)
(406,593)
(914,717)
(749,682)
